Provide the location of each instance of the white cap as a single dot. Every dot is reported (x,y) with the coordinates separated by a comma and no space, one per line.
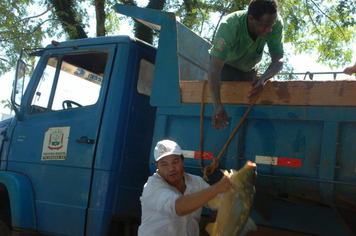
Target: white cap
(166,147)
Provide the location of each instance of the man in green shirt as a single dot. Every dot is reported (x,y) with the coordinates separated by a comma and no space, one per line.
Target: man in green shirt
(238,47)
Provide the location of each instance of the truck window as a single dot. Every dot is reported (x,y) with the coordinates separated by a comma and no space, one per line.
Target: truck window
(69,82)
(145,77)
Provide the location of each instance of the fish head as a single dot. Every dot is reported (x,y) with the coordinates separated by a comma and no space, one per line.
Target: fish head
(245,176)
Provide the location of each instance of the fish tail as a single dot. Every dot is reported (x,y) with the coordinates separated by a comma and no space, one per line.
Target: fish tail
(250,226)
(210,228)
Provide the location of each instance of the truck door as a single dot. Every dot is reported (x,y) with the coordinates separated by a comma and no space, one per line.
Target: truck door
(55,141)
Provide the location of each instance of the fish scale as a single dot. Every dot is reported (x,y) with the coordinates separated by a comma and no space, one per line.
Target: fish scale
(235,205)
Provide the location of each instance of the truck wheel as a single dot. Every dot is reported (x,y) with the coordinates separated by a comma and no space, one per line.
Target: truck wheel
(4,230)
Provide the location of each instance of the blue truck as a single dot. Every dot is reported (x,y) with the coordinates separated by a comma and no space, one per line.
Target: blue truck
(76,155)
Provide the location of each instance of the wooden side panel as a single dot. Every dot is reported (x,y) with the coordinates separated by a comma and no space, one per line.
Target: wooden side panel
(286,93)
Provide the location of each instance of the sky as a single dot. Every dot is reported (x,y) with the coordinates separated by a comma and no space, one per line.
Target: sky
(300,63)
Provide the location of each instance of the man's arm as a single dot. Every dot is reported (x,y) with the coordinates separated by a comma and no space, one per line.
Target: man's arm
(220,115)
(350,70)
(272,70)
(189,203)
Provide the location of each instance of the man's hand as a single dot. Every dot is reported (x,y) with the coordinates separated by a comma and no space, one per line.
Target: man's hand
(256,87)
(350,70)
(224,184)
(272,70)
(219,117)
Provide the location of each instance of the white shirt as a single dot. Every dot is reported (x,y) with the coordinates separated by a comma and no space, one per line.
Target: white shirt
(159,217)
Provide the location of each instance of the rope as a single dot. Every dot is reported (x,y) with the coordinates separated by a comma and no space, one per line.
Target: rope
(210,169)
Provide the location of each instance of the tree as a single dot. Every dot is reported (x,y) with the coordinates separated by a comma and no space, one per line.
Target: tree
(17,31)
(70,16)
(311,26)
(7,104)
(25,23)
(326,28)
(141,31)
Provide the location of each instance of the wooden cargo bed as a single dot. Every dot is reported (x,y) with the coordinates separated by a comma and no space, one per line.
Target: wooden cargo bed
(284,93)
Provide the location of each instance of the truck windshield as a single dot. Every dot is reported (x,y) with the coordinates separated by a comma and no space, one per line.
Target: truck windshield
(70,81)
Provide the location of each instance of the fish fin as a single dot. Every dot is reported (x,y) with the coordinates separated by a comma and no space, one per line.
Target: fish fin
(215,202)
(225,172)
(249,226)
(210,228)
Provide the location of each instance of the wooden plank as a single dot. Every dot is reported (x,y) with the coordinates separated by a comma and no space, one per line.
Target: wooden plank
(286,93)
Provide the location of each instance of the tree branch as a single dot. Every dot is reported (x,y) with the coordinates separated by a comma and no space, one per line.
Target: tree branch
(128,2)
(311,18)
(202,23)
(330,19)
(4,59)
(66,11)
(28,18)
(28,32)
(221,16)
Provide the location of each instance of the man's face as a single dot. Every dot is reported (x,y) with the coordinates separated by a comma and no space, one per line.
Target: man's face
(262,26)
(171,169)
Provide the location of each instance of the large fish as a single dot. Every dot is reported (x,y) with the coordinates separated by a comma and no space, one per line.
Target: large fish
(235,206)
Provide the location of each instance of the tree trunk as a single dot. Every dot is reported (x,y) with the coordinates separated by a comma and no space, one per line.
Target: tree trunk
(191,17)
(100,17)
(143,32)
(66,13)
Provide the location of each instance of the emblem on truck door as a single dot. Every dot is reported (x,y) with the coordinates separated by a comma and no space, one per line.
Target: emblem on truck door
(55,144)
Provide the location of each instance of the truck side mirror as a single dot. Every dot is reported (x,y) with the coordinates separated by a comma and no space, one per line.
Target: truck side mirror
(18,86)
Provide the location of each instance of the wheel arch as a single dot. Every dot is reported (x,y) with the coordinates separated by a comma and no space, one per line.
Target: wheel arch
(21,198)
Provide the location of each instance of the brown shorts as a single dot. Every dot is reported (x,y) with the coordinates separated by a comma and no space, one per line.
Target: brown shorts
(229,73)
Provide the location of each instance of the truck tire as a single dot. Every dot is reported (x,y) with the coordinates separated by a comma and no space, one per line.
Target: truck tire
(4,230)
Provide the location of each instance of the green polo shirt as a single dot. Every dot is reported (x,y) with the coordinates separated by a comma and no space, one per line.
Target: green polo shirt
(235,47)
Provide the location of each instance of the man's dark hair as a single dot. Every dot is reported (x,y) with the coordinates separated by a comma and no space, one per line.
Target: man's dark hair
(259,7)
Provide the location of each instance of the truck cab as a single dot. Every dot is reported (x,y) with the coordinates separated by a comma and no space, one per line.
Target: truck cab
(76,153)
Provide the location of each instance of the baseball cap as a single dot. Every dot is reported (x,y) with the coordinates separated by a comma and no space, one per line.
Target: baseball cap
(166,147)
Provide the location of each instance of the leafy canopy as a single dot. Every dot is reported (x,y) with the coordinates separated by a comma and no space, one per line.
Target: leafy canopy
(325,27)
(322,27)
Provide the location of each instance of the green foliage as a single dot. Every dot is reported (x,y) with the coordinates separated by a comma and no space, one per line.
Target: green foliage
(71,15)
(27,23)
(112,23)
(20,27)
(7,104)
(325,28)
(198,14)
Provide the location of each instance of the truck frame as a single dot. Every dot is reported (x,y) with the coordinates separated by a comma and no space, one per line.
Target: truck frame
(74,159)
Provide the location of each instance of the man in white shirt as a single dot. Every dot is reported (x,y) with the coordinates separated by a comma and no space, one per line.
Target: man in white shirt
(172,200)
